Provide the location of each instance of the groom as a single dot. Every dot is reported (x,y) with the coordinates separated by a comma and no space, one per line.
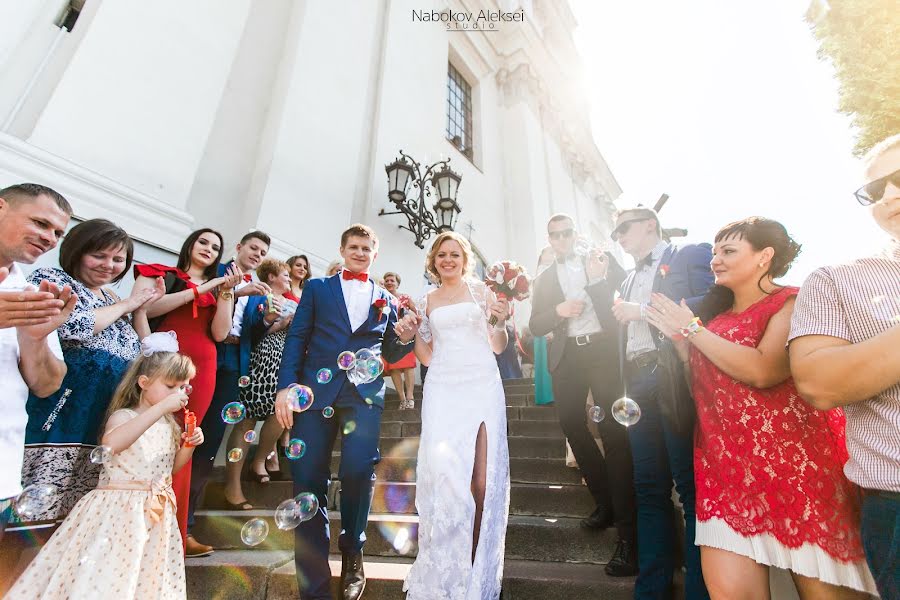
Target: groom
(346,311)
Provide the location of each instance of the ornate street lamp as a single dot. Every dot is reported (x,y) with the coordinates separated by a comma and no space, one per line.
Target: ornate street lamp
(441,184)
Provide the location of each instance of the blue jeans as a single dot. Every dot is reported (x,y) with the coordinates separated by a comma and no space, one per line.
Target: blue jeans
(881,540)
(659,455)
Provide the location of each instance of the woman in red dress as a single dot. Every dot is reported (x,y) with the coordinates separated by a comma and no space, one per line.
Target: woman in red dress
(198,308)
(771,491)
(402,372)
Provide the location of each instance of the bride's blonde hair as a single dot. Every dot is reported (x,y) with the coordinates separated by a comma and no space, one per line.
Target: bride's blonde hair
(468,255)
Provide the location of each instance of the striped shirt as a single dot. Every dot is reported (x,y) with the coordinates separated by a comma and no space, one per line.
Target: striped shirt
(855,302)
(640,338)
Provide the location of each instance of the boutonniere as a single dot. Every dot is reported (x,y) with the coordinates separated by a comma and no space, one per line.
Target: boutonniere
(260,308)
(663,270)
(381,305)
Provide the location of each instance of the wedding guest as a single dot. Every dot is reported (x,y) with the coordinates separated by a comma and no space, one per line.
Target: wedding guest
(300,273)
(197,307)
(402,372)
(334,268)
(33,218)
(267,324)
(525,348)
(98,341)
(770,486)
(232,361)
(662,440)
(573,302)
(843,347)
(121,540)
(508,360)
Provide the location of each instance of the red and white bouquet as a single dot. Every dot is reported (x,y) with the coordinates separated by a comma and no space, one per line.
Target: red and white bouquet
(508,279)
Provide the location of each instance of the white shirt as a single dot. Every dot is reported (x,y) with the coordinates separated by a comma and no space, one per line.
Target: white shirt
(640,338)
(358,298)
(573,280)
(237,321)
(13,394)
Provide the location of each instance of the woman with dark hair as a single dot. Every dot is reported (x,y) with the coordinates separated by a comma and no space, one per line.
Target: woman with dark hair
(771,491)
(300,274)
(197,306)
(98,341)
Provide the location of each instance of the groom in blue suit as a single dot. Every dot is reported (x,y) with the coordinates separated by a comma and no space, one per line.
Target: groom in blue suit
(347,311)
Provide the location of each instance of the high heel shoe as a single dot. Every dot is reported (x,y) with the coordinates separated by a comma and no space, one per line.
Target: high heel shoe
(259,477)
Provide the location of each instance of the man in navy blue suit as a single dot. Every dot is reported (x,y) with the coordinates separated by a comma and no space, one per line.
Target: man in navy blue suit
(662,440)
(346,311)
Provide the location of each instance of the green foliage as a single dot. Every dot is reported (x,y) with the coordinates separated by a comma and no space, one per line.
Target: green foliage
(861,38)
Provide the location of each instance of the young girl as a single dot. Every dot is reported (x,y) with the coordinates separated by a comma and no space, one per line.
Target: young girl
(122,540)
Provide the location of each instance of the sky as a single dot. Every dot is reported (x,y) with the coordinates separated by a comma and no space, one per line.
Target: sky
(725,107)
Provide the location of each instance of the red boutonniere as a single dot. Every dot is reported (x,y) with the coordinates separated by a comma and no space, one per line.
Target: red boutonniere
(260,308)
(381,305)
(663,270)
(248,277)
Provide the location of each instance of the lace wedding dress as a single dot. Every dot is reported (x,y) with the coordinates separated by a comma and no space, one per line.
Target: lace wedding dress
(462,391)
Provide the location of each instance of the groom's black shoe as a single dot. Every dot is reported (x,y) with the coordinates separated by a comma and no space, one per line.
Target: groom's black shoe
(623,562)
(601,518)
(353,578)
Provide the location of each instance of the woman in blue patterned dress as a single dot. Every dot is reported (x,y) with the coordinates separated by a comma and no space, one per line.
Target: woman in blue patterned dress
(98,342)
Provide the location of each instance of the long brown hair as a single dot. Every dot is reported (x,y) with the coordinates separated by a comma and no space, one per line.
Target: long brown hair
(170,366)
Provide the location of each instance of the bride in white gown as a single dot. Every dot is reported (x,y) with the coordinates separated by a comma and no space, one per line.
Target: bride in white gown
(462,482)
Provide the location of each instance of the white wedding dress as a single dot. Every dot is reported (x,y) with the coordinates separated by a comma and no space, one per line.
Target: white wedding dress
(462,391)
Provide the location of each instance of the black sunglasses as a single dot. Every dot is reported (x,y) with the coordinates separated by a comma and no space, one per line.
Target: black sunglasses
(623,228)
(873,191)
(565,233)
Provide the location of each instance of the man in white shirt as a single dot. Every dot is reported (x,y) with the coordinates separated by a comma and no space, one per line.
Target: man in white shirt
(32,220)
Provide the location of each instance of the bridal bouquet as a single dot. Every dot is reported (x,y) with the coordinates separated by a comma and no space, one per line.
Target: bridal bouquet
(508,279)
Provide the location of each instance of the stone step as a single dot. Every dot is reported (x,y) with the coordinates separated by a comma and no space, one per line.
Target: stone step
(393,402)
(545,429)
(519,447)
(400,498)
(551,539)
(262,575)
(513,413)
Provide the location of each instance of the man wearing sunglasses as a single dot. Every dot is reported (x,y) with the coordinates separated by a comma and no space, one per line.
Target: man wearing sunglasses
(662,440)
(845,351)
(573,300)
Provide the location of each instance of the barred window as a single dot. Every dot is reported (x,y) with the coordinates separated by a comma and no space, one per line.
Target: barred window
(459,111)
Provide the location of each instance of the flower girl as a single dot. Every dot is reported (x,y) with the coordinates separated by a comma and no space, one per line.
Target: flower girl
(122,540)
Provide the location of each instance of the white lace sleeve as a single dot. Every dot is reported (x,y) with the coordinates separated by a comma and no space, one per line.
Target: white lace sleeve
(424,326)
(481,294)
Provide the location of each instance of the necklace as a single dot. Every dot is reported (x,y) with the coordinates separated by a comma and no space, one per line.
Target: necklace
(462,286)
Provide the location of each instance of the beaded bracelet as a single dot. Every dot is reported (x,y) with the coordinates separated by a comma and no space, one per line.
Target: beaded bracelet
(692,328)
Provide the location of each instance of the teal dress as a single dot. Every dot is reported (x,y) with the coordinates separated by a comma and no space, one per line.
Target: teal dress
(543,382)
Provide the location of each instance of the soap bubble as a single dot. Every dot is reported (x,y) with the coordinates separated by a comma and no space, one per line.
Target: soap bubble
(243,381)
(250,436)
(626,411)
(349,427)
(308,505)
(323,376)
(597,414)
(328,412)
(235,455)
(345,360)
(101,455)
(295,449)
(300,397)
(35,499)
(287,515)
(254,532)
(233,412)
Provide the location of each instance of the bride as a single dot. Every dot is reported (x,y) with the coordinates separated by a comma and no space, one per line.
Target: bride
(462,483)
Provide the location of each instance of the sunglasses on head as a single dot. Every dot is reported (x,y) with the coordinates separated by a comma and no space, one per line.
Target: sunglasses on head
(623,228)
(564,234)
(873,191)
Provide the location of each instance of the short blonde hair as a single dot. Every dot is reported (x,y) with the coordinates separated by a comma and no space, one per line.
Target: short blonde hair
(468,255)
(334,268)
(875,152)
(391,274)
(269,267)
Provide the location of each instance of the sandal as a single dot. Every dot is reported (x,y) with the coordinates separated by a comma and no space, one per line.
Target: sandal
(259,477)
(239,506)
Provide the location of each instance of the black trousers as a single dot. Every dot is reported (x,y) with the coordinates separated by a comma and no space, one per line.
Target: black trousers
(595,367)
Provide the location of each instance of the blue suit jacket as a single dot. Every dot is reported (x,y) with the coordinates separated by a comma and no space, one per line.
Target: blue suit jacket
(237,357)
(321,331)
(683,273)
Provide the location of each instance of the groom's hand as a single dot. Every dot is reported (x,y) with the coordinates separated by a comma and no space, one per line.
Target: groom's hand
(407,326)
(283,412)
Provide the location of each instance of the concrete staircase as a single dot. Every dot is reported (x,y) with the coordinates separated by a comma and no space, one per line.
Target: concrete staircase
(548,555)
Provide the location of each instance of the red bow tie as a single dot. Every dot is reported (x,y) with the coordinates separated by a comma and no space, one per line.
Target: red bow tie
(348,275)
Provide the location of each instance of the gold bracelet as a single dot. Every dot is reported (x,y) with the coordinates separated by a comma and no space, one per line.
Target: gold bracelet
(226,295)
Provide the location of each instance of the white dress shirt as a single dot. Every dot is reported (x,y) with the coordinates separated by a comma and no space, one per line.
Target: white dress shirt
(573,279)
(237,321)
(640,337)
(13,397)
(358,298)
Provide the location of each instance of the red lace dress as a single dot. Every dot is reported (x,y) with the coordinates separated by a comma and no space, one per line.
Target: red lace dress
(769,467)
(191,323)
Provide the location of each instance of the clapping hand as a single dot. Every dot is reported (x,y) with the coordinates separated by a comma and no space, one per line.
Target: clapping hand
(65,296)
(140,298)
(669,317)
(626,312)
(21,308)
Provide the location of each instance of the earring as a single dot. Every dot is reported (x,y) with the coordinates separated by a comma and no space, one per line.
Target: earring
(761,265)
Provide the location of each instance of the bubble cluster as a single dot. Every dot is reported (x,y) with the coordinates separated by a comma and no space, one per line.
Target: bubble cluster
(35,499)
(233,412)
(626,411)
(295,449)
(324,376)
(101,455)
(300,397)
(366,367)
(235,455)
(254,532)
(597,414)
